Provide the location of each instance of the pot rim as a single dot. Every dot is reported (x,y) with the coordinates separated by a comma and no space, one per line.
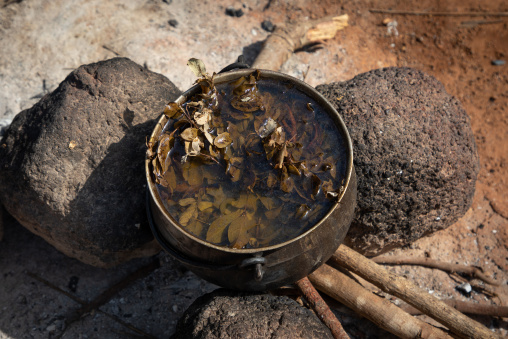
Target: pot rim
(230,76)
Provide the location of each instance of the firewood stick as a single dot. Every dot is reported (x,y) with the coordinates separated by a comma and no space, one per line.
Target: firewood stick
(378,310)
(467,307)
(457,322)
(279,46)
(321,308)
(444,266)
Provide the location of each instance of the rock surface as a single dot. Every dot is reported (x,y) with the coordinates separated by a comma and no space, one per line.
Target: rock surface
(414,155)
(71,167)
(227,314)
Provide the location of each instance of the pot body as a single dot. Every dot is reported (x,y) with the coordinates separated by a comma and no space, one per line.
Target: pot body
(261,268)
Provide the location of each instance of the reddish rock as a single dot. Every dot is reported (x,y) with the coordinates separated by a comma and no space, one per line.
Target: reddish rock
(414,154)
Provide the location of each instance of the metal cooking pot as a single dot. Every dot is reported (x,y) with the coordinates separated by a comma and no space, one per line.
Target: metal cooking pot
(260,268)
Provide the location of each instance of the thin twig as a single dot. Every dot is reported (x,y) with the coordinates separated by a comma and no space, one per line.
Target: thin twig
(397,12)
(321,308)
(443,266)
(106,47)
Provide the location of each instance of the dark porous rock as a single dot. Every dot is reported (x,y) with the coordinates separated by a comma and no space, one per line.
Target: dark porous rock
(72,166)
(414,154)
(229,314)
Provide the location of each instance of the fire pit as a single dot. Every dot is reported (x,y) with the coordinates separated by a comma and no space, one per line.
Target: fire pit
(251,264)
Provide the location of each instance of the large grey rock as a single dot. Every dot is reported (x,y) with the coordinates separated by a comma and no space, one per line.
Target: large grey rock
(414,153)
(71,167)
(228,314)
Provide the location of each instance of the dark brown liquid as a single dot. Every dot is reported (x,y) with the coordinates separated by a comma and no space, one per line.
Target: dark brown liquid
(244,200)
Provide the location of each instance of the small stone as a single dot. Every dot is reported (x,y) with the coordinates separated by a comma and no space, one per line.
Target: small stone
(230,11)
(464,288)
(173,23)
(51,328)
(267,26)
(386,21)
(498,62)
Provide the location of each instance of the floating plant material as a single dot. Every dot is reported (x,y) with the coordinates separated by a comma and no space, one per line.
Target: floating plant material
(247,164)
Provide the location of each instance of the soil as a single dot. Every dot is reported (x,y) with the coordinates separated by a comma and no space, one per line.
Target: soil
(41,41)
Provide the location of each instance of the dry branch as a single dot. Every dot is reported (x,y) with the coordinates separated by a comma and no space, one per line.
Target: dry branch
(467,307)
(279,46)
(321,308)
(457,322)
(444,266)
(396,12)
(378,310)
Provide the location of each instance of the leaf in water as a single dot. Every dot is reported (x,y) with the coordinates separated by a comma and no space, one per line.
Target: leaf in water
(280,156)
(269,234)
(316,183)
(251,203)
(222,140)
(190,213)
(173,110)
(266,128)
(286,182)
(164,148)
(186,201)
(302,212)
(217,194)
(197,67)
(170,178)
(274,213)
(195,174)
(189,134)
(238,235)
(269,203)
(293,170)
(233,169)
(203,205)
(271,180)
(249,179)
(217,227)
(195,227)
(241,201)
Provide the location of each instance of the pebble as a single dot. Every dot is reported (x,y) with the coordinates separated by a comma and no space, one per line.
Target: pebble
(268,26)
(231,11)
(498,62)
(464,288)
(173,23)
